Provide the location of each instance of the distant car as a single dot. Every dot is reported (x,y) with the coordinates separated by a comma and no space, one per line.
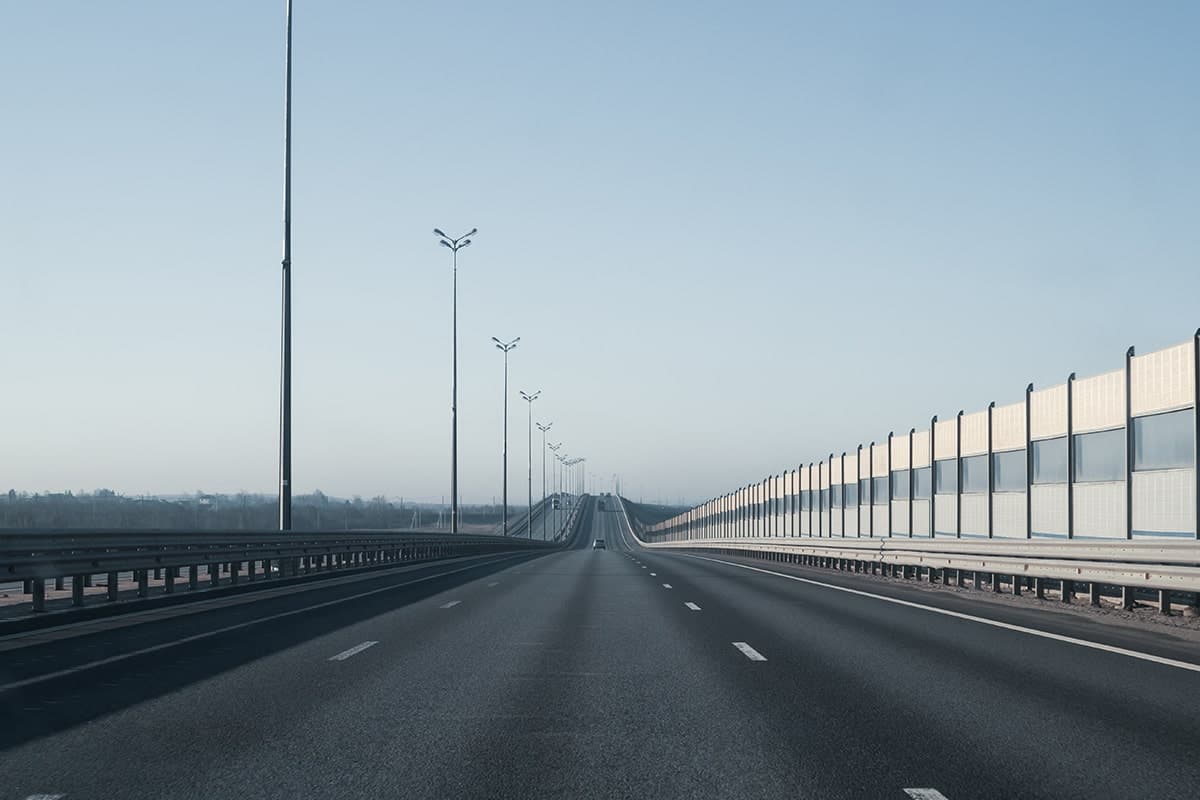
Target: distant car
(556,505)
(598,545)
(600,505)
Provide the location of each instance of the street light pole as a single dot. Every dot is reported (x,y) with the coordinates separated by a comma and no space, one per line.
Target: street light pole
(554,482)
(285,377)
(543,429)
(455,245)
(529,398)
(506,347)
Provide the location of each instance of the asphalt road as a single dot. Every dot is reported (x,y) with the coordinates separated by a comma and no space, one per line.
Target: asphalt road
(597,674)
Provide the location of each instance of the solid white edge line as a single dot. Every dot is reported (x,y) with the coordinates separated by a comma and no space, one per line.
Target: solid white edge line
(749,652)
(925,794)
(237,626)
(1108,648)
(451,604)
(692,606)
(358,648)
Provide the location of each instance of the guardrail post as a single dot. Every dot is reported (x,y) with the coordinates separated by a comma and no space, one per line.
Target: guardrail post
(76,590)
(214,574)
(1094,593)
(193,577)
(1016,587)
(27,586)
(234,567)
(250,569)
(978,580)
(143,583)
(114,585)
(58,584)
(996,579)
(39,594)
(169,584)
(1068,589)
(1164,601)
(1128,599)
(1039,588)
(87,580)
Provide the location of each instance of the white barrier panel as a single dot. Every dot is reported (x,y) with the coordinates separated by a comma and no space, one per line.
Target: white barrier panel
(1164,502)
(946,509)
(1048,412)
(1098,403)
(900,452)
(1008,515)
(945,439)
(920,515)
(974,515)
(1100,510)
(920,449)
(1163,380)
(879,514)
(1008,427)
(1049,510)
(900,518)
(974,433)
(879,460)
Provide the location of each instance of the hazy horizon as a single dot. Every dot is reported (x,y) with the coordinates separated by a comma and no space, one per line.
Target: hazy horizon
(731,238)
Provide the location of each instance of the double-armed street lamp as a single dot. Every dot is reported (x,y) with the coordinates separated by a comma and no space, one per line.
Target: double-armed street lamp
(529,398)
(506,347)
(455,245)
(543,429)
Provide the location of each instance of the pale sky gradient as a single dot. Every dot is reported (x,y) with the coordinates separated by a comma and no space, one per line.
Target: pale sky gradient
(732,237)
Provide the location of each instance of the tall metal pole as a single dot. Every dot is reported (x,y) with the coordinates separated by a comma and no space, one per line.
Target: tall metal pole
(506,347)
(554,483)
(455,245)
(543,429)
(285,393)
(454,394)
(529,398)
(504,455)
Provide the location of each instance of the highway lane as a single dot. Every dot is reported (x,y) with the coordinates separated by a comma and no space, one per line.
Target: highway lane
(618,673)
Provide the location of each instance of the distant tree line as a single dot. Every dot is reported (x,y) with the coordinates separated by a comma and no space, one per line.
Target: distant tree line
(105,508)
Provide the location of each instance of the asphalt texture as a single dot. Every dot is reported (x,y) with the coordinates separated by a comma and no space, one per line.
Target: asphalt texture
(616,673)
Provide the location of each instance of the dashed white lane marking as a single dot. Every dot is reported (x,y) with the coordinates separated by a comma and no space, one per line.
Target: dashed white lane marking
(493,583)
(358,648)
(653,574)
(643,566)
(666,586)
(1058,637)
(451,604)
(749,652)
(45,797)
(692,606)
(925,794)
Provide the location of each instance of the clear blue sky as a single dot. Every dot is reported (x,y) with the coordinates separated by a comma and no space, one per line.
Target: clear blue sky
(731,236)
